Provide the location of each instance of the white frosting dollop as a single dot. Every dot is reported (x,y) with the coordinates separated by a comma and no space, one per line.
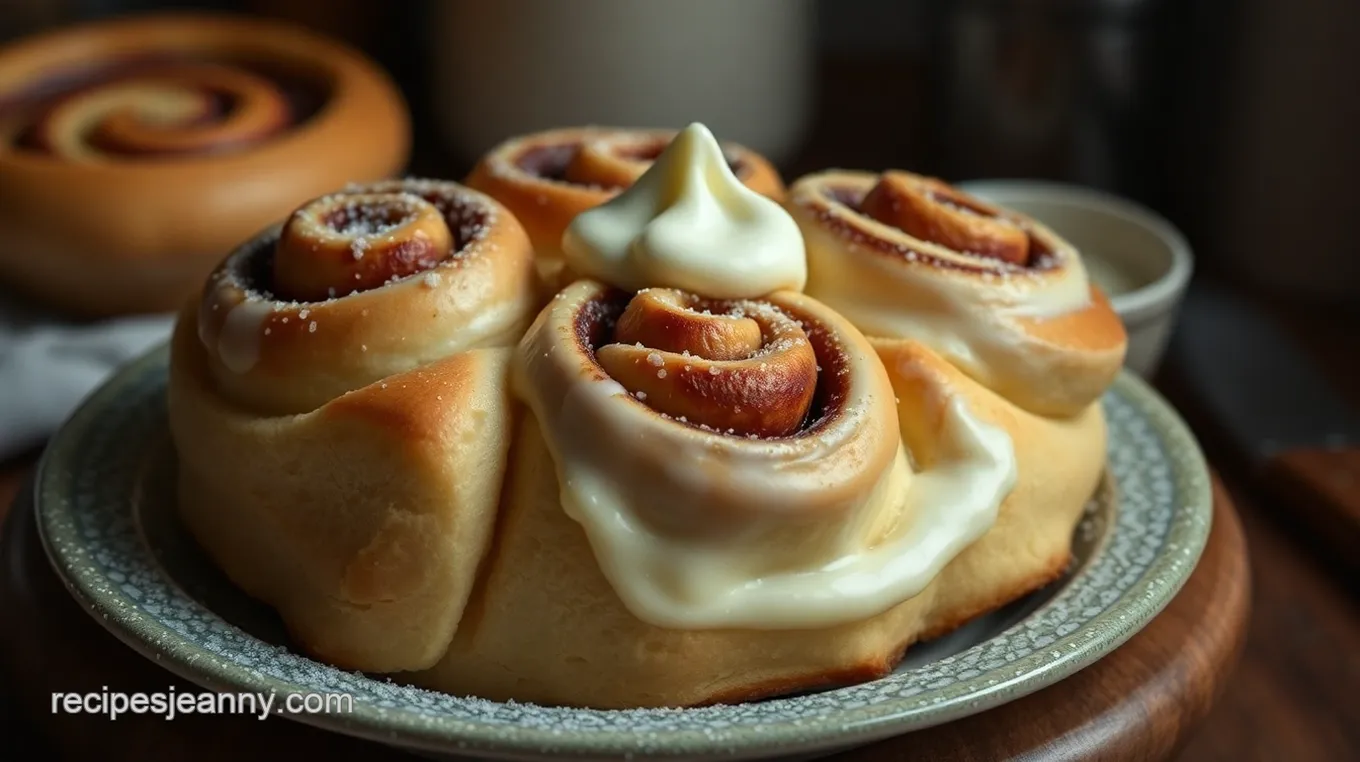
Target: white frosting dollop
(689,223)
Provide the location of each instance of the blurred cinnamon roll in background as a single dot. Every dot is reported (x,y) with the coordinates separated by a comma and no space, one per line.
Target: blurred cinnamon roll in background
(134,152)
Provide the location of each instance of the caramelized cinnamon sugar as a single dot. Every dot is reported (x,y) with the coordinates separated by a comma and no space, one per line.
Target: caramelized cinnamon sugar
(360,240)
(744,368)
(366,230)
(1018,250)
(932,211)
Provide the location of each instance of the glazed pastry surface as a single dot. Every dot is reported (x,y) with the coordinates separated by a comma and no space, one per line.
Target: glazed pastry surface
(997,294)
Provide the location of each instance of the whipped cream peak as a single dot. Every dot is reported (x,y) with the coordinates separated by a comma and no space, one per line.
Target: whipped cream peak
(689,223)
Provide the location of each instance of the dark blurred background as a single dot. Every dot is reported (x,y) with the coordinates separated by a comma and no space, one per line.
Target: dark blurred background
(1234,119)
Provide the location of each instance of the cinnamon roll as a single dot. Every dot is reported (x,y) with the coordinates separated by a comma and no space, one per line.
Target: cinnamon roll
(727,498)
(953,291)
(133,152)
(548,178)
(713,500)
(997,294)
(339,405)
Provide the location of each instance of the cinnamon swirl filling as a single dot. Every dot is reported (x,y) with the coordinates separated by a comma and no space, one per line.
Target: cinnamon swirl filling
(358,239)
(160,106)
(363,283)
(748,369)
(932,210)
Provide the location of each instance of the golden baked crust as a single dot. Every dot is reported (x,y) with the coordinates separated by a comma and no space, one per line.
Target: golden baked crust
(1035,330)
(91,224)
(362,522)
(356,491)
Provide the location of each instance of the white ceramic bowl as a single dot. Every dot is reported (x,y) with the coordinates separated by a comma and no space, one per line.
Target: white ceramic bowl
(1139,258)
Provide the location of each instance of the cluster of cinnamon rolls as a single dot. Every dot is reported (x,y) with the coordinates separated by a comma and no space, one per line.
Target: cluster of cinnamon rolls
(626,422)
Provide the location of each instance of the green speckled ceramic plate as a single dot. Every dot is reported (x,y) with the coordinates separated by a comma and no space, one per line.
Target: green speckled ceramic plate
(105,512)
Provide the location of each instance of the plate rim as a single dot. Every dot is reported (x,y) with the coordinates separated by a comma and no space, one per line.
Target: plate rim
(852,727)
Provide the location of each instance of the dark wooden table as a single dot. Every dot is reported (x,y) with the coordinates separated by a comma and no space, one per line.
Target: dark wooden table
(1296,693)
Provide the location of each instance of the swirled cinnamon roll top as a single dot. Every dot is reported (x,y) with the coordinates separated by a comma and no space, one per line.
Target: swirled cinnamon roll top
(361,284)
(735,463)
(999,294)
(677,423)
(931,210)
(740,368)
(134,151)
(174,108)
(547,178)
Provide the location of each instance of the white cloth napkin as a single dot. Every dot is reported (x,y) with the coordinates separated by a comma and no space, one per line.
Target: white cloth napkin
(48,365)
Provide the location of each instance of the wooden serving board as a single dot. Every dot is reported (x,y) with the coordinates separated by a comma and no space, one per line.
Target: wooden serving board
(1141,702)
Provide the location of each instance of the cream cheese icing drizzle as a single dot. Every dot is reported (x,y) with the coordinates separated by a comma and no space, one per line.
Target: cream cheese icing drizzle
(695,529)
(237,343)
(689,223)
(679,581)
(970,309)
(968,322)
